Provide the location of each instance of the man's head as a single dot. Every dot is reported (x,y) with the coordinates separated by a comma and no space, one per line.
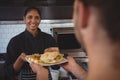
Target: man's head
(92,16)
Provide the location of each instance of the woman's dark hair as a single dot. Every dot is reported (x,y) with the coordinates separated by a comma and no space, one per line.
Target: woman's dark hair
(32,8)
(110,13)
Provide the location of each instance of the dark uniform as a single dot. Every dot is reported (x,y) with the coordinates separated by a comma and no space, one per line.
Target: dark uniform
(24,42)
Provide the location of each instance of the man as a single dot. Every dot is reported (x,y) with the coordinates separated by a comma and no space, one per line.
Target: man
(97,27)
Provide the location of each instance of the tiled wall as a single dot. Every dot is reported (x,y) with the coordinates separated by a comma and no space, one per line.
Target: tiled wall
(7,31)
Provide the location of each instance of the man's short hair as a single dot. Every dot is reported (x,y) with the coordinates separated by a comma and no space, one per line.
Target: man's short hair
(110,13)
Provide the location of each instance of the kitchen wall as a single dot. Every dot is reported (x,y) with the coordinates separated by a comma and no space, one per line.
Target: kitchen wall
(8,29)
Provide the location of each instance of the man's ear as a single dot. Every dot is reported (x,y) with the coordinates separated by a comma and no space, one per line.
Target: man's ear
(84,14)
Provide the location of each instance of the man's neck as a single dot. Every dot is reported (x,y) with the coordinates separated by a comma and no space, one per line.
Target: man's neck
(104,61)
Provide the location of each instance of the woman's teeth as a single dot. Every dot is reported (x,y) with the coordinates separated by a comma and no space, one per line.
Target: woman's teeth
(32,24)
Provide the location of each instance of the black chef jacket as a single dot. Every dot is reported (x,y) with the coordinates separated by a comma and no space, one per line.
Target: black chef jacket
(24,42)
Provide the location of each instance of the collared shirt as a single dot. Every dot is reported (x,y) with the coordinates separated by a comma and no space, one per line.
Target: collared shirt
(25,42)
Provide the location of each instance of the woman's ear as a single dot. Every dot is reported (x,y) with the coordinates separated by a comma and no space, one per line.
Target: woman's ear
(84,14)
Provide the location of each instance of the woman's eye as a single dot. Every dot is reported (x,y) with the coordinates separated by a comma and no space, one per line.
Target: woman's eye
(37,17)
(29,17)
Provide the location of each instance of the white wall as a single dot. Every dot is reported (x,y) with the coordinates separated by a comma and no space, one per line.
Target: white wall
(7,31)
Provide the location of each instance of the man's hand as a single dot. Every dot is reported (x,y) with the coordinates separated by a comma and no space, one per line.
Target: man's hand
(70,65)
(73,67)
(42,73)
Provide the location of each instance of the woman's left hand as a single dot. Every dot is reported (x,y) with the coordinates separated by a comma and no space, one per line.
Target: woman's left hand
(19,62)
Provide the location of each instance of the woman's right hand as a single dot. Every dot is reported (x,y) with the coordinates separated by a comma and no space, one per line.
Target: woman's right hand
(22,57)
(19,62)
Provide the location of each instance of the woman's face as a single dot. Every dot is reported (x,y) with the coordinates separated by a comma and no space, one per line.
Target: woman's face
(32,20)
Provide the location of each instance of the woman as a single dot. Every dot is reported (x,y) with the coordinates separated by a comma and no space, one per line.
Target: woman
(31,41)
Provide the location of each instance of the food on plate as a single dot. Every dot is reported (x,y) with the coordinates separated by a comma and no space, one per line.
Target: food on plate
(46,58)
(51,57)
(52,49)
(34,58)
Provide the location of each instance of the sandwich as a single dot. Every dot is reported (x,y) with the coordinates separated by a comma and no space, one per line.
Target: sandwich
(51,57)
(52,49)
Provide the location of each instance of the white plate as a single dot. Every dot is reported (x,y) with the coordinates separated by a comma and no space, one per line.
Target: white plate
(43,64)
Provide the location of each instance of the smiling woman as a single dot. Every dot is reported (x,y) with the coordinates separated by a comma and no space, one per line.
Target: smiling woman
(32,20)
(31,41)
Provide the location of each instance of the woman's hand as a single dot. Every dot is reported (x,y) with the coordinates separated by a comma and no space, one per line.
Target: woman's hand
(22,57)
(19,62)
(42,73)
